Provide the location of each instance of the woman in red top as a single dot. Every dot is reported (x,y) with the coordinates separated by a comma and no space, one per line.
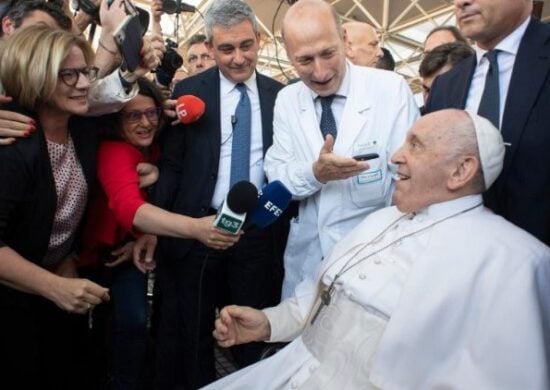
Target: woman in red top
(118,212)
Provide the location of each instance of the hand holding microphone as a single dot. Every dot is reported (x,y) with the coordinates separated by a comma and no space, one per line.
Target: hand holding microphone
(223,230)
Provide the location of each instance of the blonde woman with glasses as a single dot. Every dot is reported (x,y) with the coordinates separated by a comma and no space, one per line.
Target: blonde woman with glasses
(45,180)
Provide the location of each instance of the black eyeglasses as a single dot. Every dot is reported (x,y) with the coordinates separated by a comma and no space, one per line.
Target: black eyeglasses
(70,75)
(152,114)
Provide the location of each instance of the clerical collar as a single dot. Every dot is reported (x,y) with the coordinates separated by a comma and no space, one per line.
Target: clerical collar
(510,44)
(437,210)
(343,91)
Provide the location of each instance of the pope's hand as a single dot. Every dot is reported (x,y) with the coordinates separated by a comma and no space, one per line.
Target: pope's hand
(239,325)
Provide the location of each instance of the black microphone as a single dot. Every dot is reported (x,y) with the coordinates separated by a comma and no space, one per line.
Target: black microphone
(240,199)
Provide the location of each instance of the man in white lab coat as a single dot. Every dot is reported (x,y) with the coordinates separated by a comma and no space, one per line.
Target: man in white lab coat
(367,111)
(435,292)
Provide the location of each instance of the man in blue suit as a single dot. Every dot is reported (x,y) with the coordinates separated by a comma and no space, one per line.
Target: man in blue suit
(197,171)
(516,47)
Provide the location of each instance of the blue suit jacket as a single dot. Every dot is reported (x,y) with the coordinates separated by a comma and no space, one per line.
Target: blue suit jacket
(191,153)
(521,194)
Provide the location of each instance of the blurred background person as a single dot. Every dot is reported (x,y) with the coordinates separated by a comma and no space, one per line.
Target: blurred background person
(440,60)
(46,180)
(386,61)
(441,35)
(198,57)
(362,44)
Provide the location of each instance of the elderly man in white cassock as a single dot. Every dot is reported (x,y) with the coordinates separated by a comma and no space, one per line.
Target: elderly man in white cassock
(434,292)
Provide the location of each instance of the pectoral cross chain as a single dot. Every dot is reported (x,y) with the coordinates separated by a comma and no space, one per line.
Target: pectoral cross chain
(325,301)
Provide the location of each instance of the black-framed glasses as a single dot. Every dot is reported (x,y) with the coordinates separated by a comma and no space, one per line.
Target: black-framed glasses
(70,75)
(134,116)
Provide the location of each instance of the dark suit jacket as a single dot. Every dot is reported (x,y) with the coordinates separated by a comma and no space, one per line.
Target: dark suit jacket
(28,199)
(521,194)
(190,153)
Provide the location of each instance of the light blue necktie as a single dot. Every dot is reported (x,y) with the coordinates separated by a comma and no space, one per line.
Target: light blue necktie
(489,106)
(240,151)
(328,123)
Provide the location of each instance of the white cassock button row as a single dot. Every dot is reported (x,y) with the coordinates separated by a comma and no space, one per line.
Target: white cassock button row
(362,276)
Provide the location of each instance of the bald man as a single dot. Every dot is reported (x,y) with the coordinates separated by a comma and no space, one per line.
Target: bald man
(362,44)
(337,111)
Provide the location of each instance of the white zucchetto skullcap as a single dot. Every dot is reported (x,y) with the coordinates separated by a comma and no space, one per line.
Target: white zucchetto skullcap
(491,148)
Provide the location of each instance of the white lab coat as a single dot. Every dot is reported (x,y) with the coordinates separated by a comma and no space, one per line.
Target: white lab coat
(379,110)
(473,312)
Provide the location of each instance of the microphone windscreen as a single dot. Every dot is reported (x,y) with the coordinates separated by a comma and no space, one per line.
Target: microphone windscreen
(189,109)
(273,200)
(242,197)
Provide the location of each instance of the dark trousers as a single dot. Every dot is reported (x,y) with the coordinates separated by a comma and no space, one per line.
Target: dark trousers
(190,286)
(41,346)
(128,295)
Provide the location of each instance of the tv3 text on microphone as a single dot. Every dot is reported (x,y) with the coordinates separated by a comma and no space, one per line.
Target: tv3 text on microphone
(241,199)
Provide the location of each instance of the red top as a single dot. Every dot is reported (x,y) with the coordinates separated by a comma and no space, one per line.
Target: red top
(114,205)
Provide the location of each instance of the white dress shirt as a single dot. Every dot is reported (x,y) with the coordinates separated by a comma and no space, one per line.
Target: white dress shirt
(338,103)
(506,59)
(229,98)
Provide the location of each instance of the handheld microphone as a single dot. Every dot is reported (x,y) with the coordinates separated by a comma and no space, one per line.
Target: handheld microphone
(189,109)
(240,199)
(273,201)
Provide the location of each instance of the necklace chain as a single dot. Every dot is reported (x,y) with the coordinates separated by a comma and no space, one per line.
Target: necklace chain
(326,294)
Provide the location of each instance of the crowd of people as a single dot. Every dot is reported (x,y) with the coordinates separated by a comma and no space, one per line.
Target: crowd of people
(414,253)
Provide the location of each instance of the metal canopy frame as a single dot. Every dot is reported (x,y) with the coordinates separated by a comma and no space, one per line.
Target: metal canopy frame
(401,24)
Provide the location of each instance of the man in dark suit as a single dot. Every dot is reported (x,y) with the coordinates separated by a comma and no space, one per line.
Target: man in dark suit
(515,47)
(197,171)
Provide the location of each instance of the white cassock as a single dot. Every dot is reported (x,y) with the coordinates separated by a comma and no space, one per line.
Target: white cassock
(452,298)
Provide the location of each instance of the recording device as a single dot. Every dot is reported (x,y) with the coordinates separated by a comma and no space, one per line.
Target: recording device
(273,200)
(241,198)
(189,109)
(171,62)
(128,39)
(366,156)
(176,6)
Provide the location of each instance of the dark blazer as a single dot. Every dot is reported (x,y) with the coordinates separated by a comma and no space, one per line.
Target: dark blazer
(521,194)
(28,199)
(190,153)
(27,189)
